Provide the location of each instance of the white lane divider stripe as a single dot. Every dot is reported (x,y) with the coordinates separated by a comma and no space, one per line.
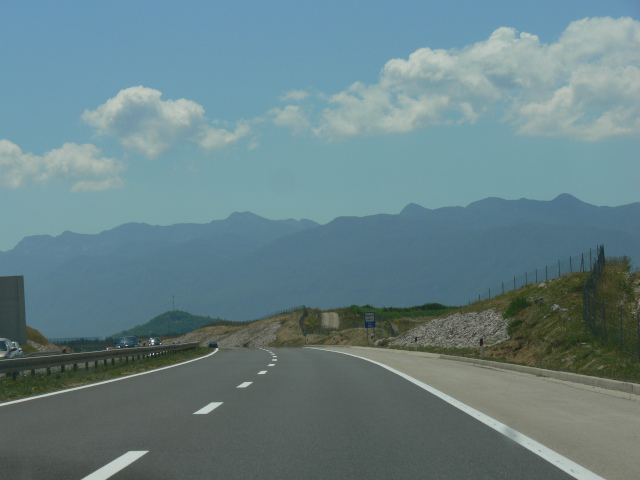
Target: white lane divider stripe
(114,467)
(262,372)
(208,409)
(271,365)
(244,385)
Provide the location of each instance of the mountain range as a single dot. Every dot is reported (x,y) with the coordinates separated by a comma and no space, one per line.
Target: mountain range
(247,266)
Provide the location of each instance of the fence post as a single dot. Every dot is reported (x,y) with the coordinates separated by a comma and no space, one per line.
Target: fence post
(489,294)
(536,275)
(503,288)
(570,265)
(514,282)
(584,306)
(559,275)
(638,322)
(604,321)
(620,328)
(526,279)
(546,273)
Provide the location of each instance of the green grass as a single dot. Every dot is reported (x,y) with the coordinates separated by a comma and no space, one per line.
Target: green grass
(27,385)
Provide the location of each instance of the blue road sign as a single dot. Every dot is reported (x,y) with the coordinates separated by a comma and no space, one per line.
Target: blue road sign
(370,320)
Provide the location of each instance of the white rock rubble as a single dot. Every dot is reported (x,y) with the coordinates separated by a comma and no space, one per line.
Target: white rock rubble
(460,330)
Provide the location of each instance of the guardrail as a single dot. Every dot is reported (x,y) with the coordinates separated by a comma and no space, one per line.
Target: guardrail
(14,366)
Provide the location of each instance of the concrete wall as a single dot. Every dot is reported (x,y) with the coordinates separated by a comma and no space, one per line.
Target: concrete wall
(13,322)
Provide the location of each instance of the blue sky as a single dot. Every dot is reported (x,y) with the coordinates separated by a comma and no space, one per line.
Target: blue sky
(167,112)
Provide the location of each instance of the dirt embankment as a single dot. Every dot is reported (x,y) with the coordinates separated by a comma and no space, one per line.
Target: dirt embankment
(453,331)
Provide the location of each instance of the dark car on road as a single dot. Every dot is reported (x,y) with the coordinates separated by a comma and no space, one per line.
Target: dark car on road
(213,344)
(127,342)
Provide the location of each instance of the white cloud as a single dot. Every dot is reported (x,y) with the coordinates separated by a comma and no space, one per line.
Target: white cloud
(294,96)
(291,117)
(212,138)
(144,123)
(584,86)
(79,163)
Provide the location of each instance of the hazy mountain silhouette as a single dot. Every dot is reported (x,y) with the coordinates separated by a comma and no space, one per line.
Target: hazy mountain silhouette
(247,266)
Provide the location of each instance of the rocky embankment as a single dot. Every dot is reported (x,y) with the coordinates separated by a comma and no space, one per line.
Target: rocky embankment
(460,330)
(256,335)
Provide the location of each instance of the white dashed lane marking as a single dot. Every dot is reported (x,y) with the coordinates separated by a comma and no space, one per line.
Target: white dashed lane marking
(244,385)
(208,409)
(271,365)
(262,372)
(114,467)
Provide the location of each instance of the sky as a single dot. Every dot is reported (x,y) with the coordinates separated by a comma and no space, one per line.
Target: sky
(185,112)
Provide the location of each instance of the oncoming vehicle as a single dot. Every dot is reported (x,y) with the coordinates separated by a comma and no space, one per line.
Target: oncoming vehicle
(127,342)
(19,352)
(213,344)
(7,349)
(154,341)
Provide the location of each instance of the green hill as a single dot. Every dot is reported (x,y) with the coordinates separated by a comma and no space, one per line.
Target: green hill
(173,322)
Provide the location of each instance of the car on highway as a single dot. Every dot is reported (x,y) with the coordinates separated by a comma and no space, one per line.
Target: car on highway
(153,341)
(19,352)
(7,349)
(127,342)
(213,344)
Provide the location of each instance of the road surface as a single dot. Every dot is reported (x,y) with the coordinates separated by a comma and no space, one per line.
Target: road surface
(259,413)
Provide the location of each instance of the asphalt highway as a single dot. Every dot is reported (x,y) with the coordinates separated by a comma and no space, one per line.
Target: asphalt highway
(269,414)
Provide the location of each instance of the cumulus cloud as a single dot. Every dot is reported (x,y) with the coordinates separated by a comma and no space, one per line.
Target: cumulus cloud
(294,96)
(292,117)
(584,86)
(79,163)
(144,123)
(212,138)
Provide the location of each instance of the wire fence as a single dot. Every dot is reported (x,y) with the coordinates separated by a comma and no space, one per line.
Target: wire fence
(612,324)
(582,262)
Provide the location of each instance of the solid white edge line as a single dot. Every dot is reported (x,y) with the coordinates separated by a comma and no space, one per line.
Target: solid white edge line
(208,409)
(244,385)
(114,467)
(67,390)
(561,462)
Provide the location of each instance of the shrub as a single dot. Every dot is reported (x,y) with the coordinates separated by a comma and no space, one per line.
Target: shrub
(516,305)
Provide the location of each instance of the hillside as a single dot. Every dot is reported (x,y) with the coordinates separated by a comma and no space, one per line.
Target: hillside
(539,325)
(174,322)
(36,342)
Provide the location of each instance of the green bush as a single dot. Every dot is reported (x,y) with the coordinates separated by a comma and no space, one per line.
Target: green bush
(516,305)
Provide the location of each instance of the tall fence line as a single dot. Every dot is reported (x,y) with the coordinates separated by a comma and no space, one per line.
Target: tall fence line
(280,312)
(612,324)
(578,263)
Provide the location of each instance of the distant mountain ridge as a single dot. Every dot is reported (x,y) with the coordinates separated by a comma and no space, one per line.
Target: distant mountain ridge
(245,266)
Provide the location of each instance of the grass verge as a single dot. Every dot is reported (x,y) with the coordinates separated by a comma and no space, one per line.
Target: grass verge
(27,385)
